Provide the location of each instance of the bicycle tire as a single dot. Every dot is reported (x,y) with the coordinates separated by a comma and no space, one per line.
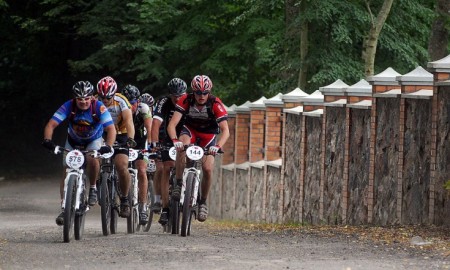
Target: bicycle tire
(112,181)
(150,202)
(131,221)
(69,208)
(187,204)
(80,218)
(105,203)
(174,219)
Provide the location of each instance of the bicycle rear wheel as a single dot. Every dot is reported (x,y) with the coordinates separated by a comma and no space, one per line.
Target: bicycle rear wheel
(69,208)
(131,220)
(187,205)
(105,203)
(80,215)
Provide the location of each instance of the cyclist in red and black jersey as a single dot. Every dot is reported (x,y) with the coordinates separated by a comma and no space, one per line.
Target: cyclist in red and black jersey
(206,117)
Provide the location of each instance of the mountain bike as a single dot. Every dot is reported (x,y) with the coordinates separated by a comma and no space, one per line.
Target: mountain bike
(190,190)
(74,203)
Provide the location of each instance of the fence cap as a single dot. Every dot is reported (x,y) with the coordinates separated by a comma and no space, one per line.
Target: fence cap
(243,108)
(274,101)
(419,76)
(258,164)
(258,104)
(363,104)
(361,88)
(277,163)
(315,113)
(315,97)
(442,65)
(337,103)
(294,95)
(296,110)
(387,77)
(421,94)
(394,93)
(231,110)
(337,87)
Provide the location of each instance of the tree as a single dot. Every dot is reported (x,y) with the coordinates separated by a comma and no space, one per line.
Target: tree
(438,46)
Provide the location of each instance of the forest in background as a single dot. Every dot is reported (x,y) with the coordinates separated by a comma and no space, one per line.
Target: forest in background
(249,48)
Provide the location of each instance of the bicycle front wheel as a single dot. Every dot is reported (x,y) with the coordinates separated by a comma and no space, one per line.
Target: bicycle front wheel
(105,203)
(187,204)
(150,202)
(69,208)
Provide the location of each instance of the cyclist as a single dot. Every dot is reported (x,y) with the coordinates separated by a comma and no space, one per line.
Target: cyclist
(120,110)
(156,207)
(87,119)
(206,117)
(164,110)
(142,119)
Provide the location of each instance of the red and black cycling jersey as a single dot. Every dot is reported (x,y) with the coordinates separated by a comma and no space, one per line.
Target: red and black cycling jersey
(204,118)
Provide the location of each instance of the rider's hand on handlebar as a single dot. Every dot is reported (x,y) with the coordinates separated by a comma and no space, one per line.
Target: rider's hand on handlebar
(105,149)
(178,144)
(131,142)
(153,146)
(213,150)
(49,144)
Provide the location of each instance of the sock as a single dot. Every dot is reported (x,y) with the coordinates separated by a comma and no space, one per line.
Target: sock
(94,187)
(157,198)
(202,201)
(179,182)
(165,210)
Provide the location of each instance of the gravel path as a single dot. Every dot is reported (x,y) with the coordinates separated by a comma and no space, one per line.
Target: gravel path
(29,239)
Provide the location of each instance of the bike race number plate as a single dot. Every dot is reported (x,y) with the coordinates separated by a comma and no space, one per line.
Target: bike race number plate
(173,153)
(151,166)
(75,159)
(133,155)
(194,152)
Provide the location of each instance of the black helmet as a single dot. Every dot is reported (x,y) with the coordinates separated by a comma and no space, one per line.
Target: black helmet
(131,92)
(177,87)
(147,99)
(82,89)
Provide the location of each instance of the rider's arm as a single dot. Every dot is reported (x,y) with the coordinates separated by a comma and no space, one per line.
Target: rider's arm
(128,120)
(223,125)
(111,134)
(156,124)
(49,128)
(171,128)
(148,127)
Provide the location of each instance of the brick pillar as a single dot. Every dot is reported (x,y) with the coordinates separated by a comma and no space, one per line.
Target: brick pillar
(257,129)
(441,77)
(242,131)
(273,130)
(381,83)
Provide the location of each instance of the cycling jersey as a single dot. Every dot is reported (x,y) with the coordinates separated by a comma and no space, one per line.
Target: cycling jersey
(119,104)
(83,126)
(207,118)
(163,112)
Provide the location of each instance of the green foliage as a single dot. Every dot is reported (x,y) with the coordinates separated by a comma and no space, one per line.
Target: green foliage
(447,185)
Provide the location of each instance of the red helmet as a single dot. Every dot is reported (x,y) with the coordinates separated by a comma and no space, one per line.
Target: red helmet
(201,83)
(106,87)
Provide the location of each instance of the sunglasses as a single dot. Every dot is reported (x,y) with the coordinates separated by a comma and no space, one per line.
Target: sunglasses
(103,98)
(204,93)
(84,98)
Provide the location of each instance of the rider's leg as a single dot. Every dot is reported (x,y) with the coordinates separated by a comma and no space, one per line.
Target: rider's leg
(208,167)
(180,164)
(165,182)
(141,166)
(157,186)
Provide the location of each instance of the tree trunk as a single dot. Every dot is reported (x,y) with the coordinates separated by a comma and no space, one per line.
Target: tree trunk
(438,43)
(304,43)
(370,44)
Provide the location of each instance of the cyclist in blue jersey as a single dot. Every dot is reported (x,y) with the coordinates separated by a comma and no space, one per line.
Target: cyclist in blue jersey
(87,119)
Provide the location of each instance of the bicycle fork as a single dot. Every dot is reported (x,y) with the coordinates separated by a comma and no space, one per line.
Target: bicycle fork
(196,173)
(80,186)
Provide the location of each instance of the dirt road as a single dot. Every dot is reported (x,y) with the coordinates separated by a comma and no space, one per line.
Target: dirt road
(30,239)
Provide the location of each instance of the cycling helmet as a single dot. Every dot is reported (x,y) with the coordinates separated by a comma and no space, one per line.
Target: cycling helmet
(202,83)
(177,87)
(82,89)
(147,99)
(131,92)
(106,87)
